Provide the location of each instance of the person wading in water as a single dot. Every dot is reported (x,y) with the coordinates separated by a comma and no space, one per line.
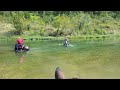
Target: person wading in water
(66,41)
(19,43)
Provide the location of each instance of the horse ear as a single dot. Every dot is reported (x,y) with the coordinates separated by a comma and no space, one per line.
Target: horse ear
(57,68)
(58,74)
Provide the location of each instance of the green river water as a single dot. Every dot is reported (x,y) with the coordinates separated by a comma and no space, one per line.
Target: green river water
(87,59)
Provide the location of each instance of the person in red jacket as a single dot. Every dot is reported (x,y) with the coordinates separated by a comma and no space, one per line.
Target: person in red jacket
(19,42)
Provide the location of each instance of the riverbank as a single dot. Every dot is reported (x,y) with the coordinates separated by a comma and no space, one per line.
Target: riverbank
(60,38)
(55,23)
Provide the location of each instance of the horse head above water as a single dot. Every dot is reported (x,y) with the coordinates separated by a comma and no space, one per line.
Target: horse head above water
(25,48)
(58,74)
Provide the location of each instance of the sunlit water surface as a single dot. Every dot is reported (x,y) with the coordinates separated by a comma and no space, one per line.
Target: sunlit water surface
(87,59)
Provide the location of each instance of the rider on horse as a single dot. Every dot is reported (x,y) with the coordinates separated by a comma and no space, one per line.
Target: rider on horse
(19,43)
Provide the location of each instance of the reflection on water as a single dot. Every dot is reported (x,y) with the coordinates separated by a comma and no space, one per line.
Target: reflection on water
(21,56)
(21,59)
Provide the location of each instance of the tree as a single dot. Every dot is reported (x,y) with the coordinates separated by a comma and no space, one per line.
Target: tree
(18,20)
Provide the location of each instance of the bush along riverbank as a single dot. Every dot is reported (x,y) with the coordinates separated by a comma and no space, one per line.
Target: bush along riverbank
(59,23)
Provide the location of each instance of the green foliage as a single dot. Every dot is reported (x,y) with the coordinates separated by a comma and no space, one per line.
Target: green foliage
(60,23)
(18,22)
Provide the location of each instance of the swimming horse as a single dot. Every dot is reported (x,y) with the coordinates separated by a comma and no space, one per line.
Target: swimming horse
(58,74)
(21,48)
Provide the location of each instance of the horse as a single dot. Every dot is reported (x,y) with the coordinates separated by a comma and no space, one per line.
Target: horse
(21,47)
(60,75)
